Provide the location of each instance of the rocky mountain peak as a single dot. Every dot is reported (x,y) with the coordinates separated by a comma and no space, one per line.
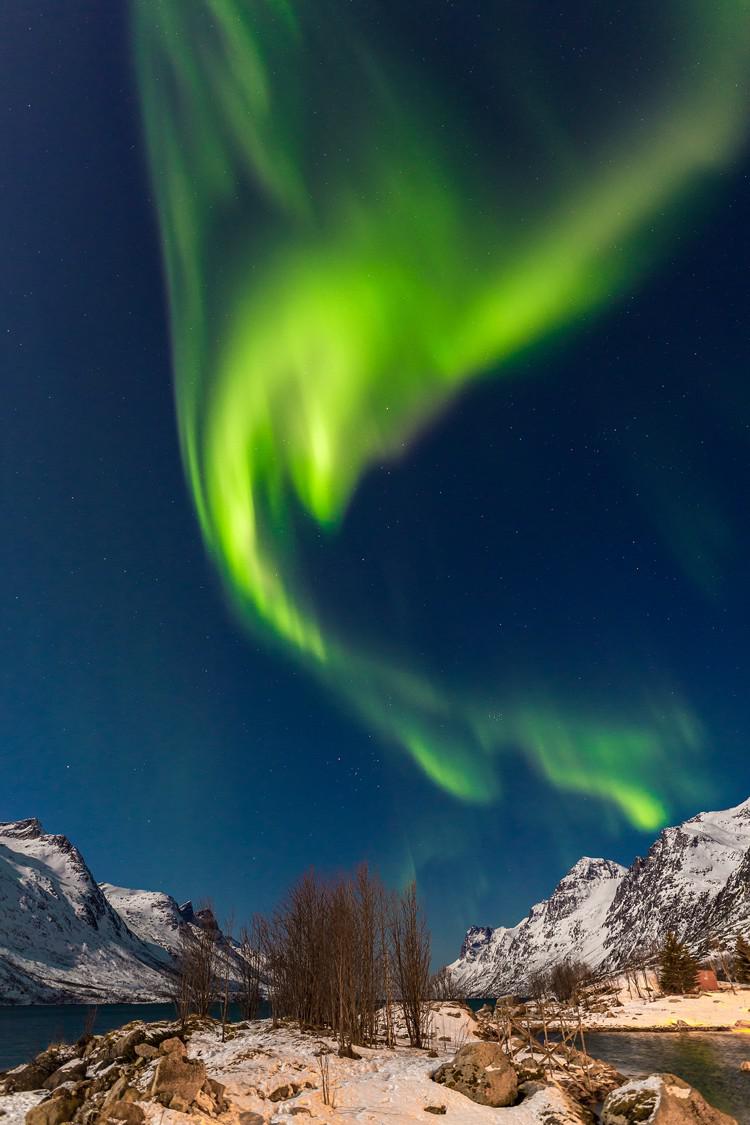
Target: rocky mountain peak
(30,829)
(694,879)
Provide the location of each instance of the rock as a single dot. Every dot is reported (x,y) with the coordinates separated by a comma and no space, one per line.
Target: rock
(33,1075)
(106,1079)
(123,1046)
(69,1072)
(180,1105)
(248,1118)
(121,1090)
(128,1112)
(146,1051)
(437,1109)
(53,1111)
(204,1102)
(178,1077)
(480,1071)
(661,1099)
(172,1046)
(745,1065)
(548,1103)
(281,1093)
(216,1088)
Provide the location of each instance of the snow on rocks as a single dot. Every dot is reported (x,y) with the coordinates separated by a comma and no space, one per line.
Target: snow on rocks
(660,1099)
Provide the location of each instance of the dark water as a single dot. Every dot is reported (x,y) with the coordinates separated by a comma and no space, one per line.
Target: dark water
(27,1030)
(710,1062)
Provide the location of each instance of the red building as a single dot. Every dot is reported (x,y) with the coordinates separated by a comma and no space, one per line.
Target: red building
(707,981)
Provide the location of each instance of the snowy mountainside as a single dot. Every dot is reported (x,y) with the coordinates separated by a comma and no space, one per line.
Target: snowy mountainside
(152,916)
(570,919)
(695,880)
(64,938)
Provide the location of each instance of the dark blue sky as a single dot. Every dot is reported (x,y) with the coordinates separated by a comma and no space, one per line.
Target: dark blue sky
(586,517)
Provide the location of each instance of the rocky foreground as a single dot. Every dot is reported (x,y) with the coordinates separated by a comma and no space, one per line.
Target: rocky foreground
(162,1074)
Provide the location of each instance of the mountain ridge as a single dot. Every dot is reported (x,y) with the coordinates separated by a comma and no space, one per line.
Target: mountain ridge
(694,879)
(65,938)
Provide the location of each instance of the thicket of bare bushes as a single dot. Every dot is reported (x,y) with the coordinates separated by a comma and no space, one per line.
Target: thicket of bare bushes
(344,955)
(565,981)
(349,956)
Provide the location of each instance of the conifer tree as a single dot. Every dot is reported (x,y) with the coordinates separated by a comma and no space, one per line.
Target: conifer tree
(678,969)
(742,960)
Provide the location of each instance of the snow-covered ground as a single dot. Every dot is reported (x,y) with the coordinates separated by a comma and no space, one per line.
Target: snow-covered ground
(13,1107)
(725,1010)
(391,1086)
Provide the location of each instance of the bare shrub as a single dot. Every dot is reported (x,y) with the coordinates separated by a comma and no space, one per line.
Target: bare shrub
(442,986)
(567,979)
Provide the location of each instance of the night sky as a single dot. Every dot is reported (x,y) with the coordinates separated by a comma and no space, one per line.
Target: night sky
(375,438)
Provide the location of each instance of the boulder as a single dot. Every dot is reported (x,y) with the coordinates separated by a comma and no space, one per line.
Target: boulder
(172,1046)
(282,1092)
(661,1099)
(128,1112)
(120,1090)
(33,1075)
(480,1071)
(53,1111)
(123,1046)
(178,1077)
(204,1102)
(146,1051)
(70,1071)
(249,1118)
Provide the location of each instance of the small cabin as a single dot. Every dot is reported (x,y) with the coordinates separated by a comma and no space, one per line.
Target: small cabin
(707,981)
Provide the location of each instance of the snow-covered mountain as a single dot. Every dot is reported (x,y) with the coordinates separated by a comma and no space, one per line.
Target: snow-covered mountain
(694,880)
(64,938)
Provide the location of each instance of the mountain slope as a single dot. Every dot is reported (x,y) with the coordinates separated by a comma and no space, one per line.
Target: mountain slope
(60,938)
(695,880)
(152,916)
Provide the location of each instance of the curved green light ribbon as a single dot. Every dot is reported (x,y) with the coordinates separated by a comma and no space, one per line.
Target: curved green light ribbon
(338,269)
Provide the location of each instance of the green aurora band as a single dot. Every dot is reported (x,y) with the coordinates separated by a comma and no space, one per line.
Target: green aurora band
(346,247)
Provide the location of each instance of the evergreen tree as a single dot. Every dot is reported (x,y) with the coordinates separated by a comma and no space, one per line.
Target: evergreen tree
(678,969)
(742,960)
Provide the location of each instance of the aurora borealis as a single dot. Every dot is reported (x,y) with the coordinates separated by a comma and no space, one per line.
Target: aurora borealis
(337,273)
(377,437)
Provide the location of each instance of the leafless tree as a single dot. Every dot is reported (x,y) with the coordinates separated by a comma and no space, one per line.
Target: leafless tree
(340,954)
(249,966)
(195,986)
(442,986)
(539,984)
(410,942)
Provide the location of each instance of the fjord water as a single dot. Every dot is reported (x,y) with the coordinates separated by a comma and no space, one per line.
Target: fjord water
(27,1029)
(710,1062)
